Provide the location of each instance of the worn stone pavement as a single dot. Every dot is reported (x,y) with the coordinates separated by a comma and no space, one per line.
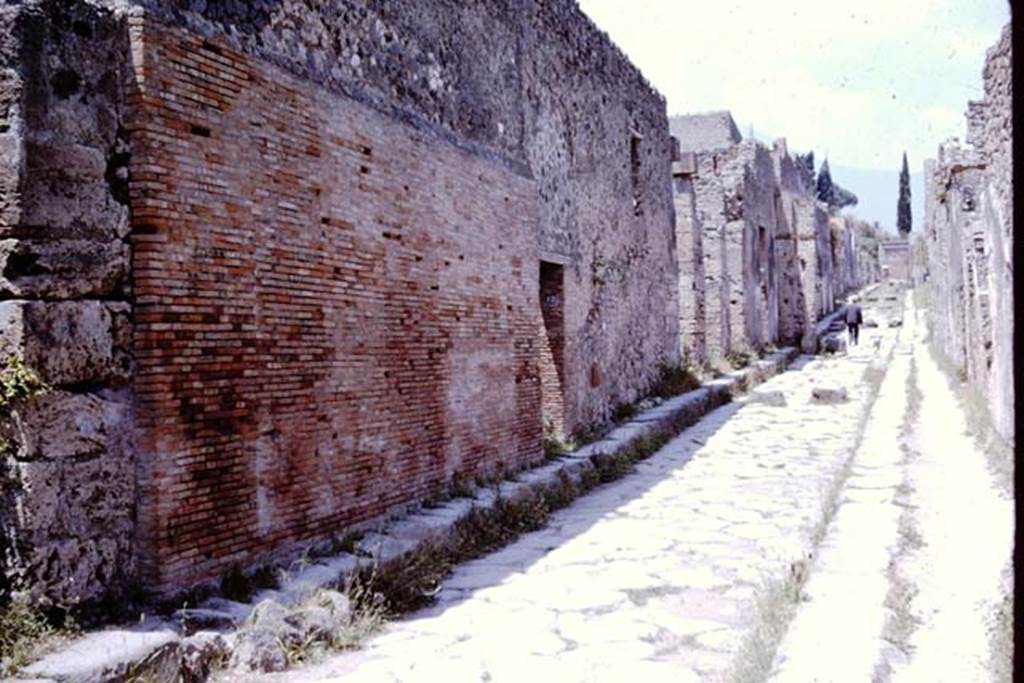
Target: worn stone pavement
(656,576)
(907,582)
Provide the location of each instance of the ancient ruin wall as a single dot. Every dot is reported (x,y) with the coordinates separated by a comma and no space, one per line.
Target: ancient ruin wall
(690,251)
(67,478)
(803,252)
(792,298)
(750,246)
(894,256)
(252,263)
(996,146)
(705,132)
(767,260)
(335,314)
(711,324)
(968,243)
(725,209)
(595,138)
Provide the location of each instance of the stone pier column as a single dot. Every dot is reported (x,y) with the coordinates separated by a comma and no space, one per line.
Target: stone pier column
(67,501)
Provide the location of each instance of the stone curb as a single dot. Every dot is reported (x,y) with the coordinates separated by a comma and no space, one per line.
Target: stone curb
(104,655)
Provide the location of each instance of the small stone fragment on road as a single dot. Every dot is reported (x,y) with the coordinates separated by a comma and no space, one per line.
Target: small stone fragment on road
(771,398)
(829,394)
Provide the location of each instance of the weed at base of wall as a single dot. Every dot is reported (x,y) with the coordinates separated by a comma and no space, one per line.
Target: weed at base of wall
(27,633)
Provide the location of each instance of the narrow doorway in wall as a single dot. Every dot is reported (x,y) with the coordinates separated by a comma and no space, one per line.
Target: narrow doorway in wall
(634,173)
(552,348)
(764,264)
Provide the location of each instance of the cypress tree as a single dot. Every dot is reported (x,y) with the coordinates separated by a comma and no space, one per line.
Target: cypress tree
(903,218)
(826,193)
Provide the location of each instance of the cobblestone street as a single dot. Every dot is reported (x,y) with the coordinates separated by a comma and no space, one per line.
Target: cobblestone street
(690,568)
(909,581)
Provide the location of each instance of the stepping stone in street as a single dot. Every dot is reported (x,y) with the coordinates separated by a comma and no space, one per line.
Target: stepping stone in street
(829,394)
(771,398)
(833,344)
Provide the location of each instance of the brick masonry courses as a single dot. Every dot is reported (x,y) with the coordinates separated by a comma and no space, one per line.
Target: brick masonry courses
(595,139)
(327,302)
(964,249)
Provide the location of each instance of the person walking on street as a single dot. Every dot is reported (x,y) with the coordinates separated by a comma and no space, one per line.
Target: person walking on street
(854,318)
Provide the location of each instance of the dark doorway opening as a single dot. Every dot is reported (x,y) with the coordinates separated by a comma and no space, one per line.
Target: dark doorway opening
(552,348)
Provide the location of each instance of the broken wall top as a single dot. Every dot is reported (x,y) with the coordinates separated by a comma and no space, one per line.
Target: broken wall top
(704,132)
(465,68)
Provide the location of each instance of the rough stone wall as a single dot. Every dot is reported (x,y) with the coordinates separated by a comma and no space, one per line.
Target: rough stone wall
(805,253)
(824,278)
(968,243)
(67,493)
(996,146)
(712,329)
(595,138)
(750,232)
(856,254)
(866,247)
(792,297)
(725,208)
(692,276)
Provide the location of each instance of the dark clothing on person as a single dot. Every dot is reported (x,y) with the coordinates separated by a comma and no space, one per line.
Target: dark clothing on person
(854,318)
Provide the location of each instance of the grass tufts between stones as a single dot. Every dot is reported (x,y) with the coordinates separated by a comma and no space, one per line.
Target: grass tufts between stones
(674,380)
(236,585)
(27,632)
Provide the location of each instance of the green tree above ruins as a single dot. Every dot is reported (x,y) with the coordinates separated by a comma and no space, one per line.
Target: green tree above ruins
(904,220)
(831,193)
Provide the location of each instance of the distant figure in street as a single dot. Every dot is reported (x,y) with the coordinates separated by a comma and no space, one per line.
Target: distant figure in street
(854,318)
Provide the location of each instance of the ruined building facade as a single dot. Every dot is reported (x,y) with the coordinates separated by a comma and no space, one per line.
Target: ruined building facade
(287,270)
(760,259)
(966,244)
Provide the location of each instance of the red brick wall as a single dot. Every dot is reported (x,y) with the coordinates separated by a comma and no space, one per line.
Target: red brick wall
(334,312)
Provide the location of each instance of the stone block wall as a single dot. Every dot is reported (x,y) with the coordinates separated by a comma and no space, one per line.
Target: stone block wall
(805,254)
(714,130)
(750,233)
(967,244)
(692,277)
(67,478)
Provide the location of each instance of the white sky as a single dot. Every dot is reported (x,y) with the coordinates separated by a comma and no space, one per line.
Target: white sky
(857,80)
